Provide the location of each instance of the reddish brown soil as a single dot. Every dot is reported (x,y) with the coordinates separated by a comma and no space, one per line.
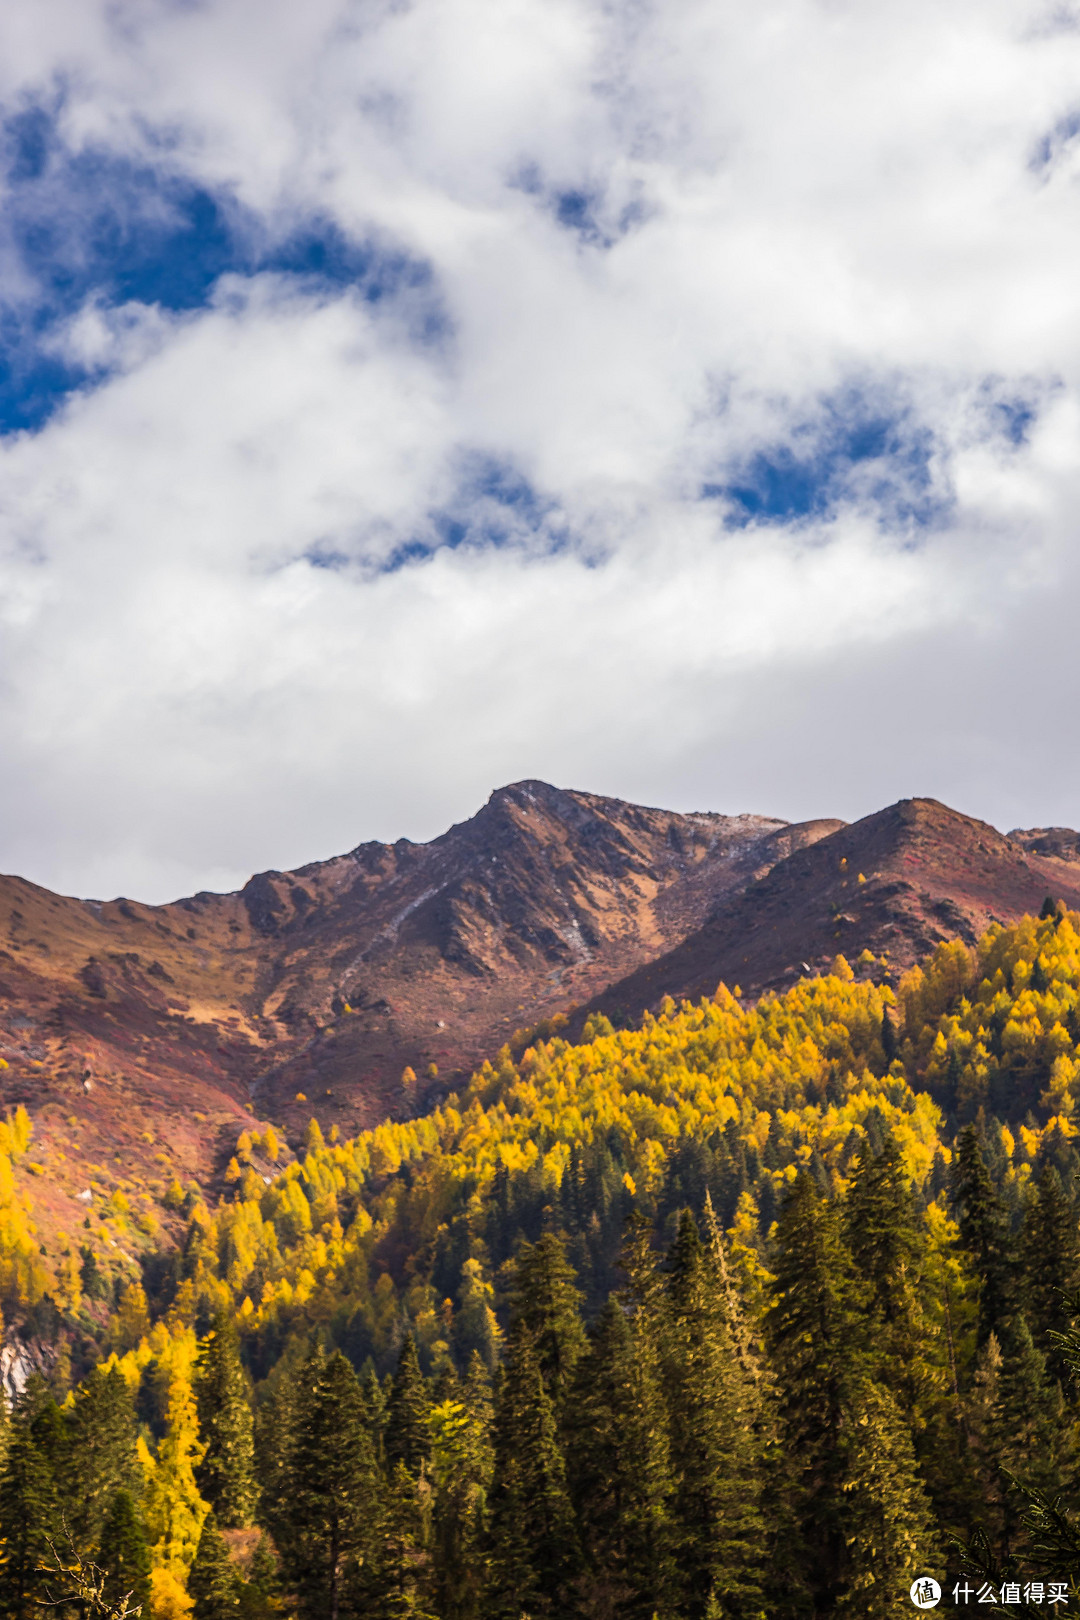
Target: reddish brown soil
(143,1038)
(929,874)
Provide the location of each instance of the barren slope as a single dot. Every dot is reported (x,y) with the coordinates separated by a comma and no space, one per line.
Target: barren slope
(895,883)
(140,1036)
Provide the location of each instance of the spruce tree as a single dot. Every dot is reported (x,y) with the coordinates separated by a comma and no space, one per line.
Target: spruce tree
(1030,1435)
(274,1438)
(888,1243)
(715,1447)
(882,1234)
(888,1521)
(815,1330)
(325,1510)
(984,1231)
(226,1475)
(101,1452)
(30,1519)
(462,1463)
(533,1548)
(396,1583)
(618,1464)
(123,1555)
(546,1303)
(1050,1249)
(375,1401)
(407,1437)
(213,1584)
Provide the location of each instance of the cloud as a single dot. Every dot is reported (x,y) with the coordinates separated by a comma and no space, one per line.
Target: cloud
(671,401)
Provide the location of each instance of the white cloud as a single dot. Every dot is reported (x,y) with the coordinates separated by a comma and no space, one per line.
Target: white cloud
(802,202)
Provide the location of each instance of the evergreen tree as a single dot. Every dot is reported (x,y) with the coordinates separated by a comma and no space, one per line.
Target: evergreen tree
(226,1475)
(984,1231)
(462,1461)
(475,1325)
(715,1448)
(1030,1436)
(618,1463)
(375,1401)
(259,1594)
(407,1438)
(397,1582)
(546,1303)
(881,1233)
(101,1452)
(123,1554)
(887,1241)
(979,1493)
(274,1436)
(30,1520)
(325,1510)
(888,1522)
(213,1584)
(815,1330)
(1050,1248)
(533,1549)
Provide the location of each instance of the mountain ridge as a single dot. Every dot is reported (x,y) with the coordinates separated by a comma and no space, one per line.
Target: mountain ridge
(142,1038)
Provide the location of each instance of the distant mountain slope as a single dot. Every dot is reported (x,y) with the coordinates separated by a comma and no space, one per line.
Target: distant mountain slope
(895,883)
(141,1037)
(138,1035)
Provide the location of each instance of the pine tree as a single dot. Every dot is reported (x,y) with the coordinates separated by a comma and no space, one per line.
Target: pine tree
(274,1438)
(323,1515)
(1050,1247)
(881,1232)
(981,1483)
(888,1244)
(407,1437)
(533,1549)
(101,1452)
(715,1449)
(462,1461)
(397,1582)
(226,1475)
(1030,1436)
(546,1303)
(618,1464)
(123,1554)
(815,1329)
(888,1523)
(984,1232)
(213,1584)
(375,1401)
(29,1506)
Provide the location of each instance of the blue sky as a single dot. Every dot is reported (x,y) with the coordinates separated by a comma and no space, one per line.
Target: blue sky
(394,402)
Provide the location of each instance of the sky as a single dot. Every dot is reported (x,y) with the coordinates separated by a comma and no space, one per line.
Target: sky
(676,400)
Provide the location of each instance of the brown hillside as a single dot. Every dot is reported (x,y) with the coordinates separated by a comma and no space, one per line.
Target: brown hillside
(142,1037)
(895,883)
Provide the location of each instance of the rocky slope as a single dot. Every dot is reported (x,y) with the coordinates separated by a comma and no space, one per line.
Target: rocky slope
(143,1038)
(895,883)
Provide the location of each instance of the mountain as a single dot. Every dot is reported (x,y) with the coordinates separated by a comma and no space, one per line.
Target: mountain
(140,1038)
(896,883)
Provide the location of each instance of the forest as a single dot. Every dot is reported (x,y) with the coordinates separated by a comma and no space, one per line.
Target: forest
(751,1310)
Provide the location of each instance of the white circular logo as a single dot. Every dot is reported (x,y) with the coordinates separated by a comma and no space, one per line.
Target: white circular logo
(925,1592)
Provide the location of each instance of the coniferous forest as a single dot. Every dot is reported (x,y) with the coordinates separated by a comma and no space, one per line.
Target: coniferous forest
(746,1311)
